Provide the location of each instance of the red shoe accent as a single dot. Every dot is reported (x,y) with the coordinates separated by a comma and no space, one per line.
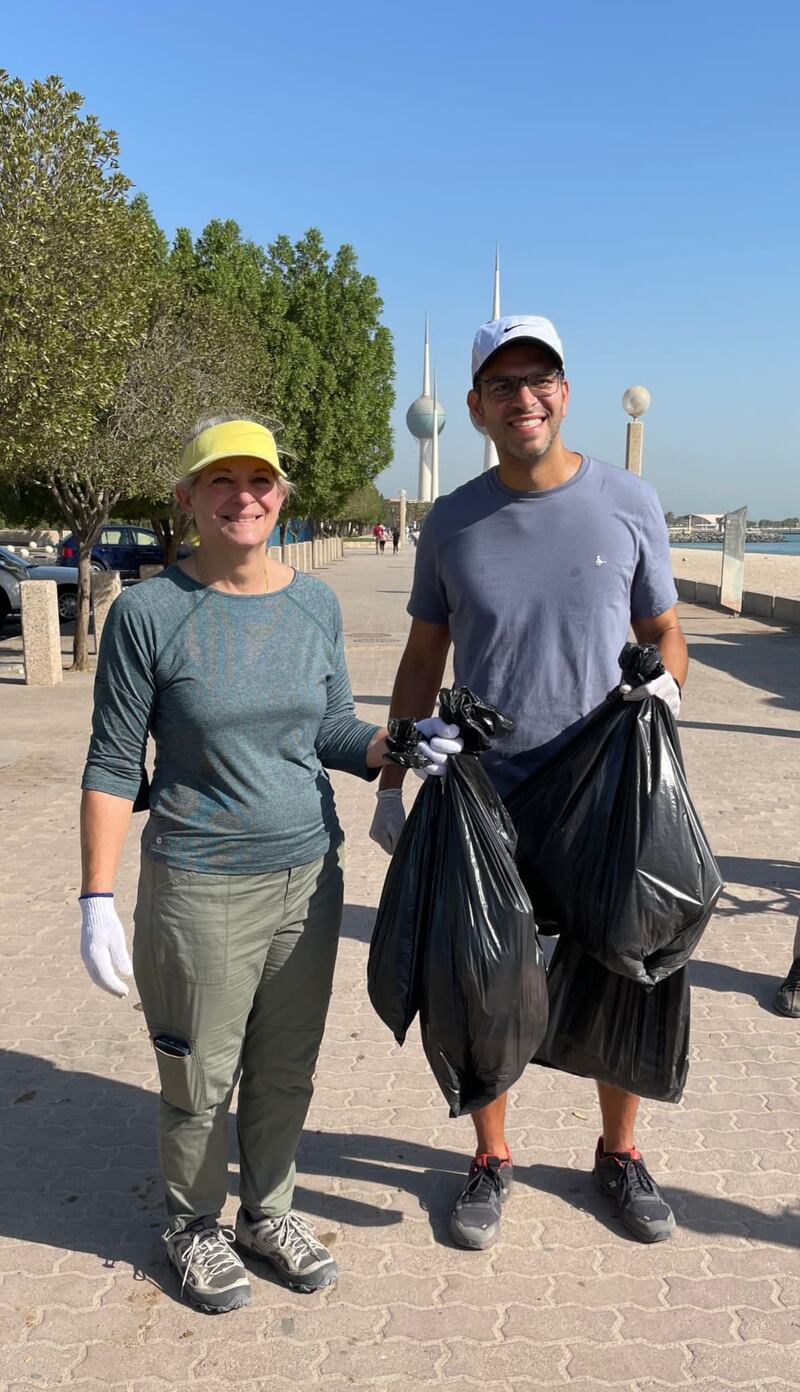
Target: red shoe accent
(482,1156)
(632,1154)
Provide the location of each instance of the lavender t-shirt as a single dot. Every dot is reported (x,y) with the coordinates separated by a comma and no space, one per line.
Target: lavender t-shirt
(538,590)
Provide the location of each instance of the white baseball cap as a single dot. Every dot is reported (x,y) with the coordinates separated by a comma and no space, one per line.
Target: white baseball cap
(513,328)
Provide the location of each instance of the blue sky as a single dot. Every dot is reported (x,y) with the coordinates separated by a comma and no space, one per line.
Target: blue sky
(637,165)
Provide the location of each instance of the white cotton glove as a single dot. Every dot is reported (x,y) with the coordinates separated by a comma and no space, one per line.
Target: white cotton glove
(389,819)
(441,740)
(664,687)
(103,946)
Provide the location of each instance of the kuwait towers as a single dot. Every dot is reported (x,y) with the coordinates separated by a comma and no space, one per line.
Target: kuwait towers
(425,419)
(489,451)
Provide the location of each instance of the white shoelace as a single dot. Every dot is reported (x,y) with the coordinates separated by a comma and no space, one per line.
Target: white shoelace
(211,1248)
(295,1235)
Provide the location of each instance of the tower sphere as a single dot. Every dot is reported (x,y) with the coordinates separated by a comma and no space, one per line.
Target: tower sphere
(419,417)
(636,400)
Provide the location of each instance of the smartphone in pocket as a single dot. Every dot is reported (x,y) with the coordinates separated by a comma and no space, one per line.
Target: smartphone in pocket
(170,1045)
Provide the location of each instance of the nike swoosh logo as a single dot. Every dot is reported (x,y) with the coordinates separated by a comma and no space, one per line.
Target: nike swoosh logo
(512,326)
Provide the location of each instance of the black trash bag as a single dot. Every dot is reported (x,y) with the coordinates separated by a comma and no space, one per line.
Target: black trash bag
(483,1007)
(610,847)
(455,936)
(396,949)
(605,1026)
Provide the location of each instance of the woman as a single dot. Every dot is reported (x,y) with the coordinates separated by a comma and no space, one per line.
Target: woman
(234,663)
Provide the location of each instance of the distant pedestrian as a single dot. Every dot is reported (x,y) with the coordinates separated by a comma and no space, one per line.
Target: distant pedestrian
(377,532)
(382,540)
(395,540)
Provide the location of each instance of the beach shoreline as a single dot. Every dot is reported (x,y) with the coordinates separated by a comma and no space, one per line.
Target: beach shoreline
(763,573)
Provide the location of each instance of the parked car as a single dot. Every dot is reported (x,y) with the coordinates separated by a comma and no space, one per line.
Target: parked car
(121,547)
(14,568)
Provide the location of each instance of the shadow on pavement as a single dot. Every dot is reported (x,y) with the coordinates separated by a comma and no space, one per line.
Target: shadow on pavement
(358,921)
(780,877)
(80,1173)
(373,700)
(718,976)
(739,729)
(768,661)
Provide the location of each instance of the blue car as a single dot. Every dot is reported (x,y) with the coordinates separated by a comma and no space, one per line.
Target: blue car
(121,547)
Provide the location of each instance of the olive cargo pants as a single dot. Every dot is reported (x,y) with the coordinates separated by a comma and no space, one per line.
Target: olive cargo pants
(234,974)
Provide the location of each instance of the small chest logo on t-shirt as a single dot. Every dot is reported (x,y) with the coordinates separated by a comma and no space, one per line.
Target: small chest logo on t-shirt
(598,560)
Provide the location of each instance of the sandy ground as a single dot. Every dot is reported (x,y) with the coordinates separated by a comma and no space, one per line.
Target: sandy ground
(777,575)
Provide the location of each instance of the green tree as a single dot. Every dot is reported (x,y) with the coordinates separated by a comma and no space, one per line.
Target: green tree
(333,370)
(198,359)
(78,264)
(363,508)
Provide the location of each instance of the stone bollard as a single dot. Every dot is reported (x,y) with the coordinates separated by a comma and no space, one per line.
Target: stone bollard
(41,634)
(304,557)
(316,554)
(106,585)
(146,572)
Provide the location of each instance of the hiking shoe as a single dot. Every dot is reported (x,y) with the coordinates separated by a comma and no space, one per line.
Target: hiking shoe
(475,1219)
(291,1247)
(787,1001)
(212,1274)
(624,1176)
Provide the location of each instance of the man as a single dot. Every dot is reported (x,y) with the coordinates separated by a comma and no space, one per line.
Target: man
(534,571)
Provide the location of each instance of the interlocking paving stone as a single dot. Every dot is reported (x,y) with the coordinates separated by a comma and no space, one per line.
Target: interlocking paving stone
(567,1299)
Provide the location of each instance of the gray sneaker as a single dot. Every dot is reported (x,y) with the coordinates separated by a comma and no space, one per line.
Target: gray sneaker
(212,1274)
(291,1247)
(475,1219)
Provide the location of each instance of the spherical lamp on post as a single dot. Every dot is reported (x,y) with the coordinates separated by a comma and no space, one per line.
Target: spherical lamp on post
(636,400)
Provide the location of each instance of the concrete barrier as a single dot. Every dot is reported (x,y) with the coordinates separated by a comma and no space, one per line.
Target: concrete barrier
(146,572)
(777,609)
(41,633)
(785,611)
(759,606)
(106,585)
(306,557)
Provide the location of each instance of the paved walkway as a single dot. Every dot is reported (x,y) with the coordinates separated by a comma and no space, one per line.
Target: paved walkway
(566,1300)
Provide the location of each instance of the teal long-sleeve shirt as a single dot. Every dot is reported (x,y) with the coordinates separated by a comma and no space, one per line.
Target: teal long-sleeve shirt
(248,701)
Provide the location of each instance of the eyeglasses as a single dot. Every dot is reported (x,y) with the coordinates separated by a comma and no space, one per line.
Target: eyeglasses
(506,388)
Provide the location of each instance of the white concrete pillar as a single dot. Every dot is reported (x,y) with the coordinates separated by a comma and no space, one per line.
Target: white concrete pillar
(634,446)
(41,633)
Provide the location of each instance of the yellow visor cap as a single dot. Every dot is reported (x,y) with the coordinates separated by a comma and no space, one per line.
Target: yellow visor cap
(243,438)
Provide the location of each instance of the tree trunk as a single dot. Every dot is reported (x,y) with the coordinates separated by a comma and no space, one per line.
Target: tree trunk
(169,533)
(87,512)
(80,642)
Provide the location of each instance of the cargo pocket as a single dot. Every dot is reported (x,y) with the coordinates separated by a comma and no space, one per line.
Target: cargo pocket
(182,1081)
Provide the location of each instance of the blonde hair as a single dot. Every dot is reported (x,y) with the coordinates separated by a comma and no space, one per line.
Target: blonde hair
(188,481)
